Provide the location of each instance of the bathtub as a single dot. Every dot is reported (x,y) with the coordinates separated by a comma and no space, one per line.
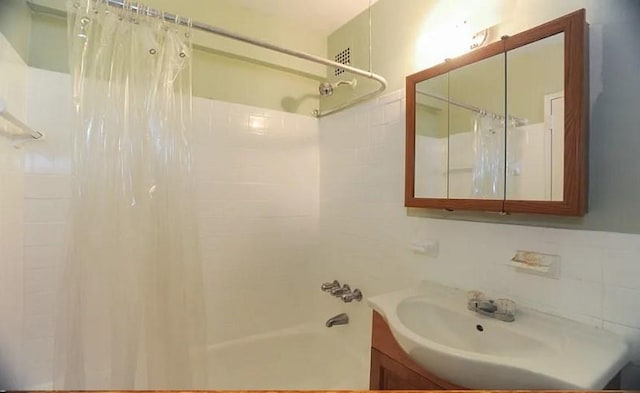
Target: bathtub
(300,358)
(305,357)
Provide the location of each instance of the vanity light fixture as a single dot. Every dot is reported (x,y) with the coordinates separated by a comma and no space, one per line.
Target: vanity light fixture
(479,39)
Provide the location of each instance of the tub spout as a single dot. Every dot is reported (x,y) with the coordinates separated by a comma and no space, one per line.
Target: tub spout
(340,319)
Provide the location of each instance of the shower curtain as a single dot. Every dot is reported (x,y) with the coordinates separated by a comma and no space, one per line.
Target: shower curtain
(132,314)
(488,161)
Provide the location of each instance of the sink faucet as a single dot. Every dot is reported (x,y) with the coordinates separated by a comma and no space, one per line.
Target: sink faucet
(501,309)
(340,319)
(486,306)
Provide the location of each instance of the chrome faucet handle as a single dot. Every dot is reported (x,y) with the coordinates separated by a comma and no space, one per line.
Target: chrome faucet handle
(328,286)
(351,296)
(487,306)
(339,291)
(506,306)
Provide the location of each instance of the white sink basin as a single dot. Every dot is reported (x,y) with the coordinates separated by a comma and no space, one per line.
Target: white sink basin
(536,351)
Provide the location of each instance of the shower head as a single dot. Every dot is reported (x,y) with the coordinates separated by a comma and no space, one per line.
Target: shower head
(326,87)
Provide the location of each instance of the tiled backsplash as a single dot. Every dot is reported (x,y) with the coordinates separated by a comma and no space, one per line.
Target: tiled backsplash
(366,233)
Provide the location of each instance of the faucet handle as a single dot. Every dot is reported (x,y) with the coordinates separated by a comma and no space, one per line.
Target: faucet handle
(351,296)
(328,286)
(506,306)
(339,291)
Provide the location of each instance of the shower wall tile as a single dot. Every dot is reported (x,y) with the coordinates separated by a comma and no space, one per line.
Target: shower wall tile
(44,234)
(47,186)
(256,194)
(46,210)
(13,86)
(365,233)
(45,200)
(42,257)
(256,191)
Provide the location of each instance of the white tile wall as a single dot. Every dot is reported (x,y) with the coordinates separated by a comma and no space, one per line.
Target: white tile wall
(365,233)
(256,193)
(257,200)
(47,192)
(13,79)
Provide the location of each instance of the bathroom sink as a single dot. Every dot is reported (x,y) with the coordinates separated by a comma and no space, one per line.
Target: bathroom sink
(461,330)
(536,351)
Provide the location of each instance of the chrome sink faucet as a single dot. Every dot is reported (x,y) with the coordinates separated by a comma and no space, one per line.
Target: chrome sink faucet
(485,305)
(501,309)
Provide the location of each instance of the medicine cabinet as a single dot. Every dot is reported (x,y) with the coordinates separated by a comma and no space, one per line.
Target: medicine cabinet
(503,128)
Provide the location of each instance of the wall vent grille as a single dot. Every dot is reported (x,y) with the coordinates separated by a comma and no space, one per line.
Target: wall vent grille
(343,57)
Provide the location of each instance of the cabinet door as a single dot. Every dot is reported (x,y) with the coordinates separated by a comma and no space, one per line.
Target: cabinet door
(535,130)
(387,374)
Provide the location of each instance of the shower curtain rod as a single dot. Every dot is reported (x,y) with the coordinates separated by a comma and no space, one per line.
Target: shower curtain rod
(267,45)
(519,121)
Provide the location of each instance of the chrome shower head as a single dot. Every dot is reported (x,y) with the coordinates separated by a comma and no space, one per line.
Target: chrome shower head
(326,87)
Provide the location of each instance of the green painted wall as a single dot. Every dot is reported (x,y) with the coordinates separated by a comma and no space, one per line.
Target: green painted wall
(223,69)
(48,44)
(15,25)
(395,24)
(534,71)
(614,50)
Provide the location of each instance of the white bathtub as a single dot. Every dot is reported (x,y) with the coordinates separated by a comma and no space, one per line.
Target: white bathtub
(299,358)
(304,357)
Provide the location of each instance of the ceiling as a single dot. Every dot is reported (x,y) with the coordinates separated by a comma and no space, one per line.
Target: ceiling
(323,16)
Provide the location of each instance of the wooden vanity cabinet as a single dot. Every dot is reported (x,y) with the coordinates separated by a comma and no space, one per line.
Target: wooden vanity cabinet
(392,369)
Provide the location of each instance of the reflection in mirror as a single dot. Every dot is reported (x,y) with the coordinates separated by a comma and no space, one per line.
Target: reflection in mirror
(476,128)
(535,92)
(432,132)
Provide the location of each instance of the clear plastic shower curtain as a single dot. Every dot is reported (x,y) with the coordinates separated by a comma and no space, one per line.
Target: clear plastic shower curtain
(132,314)
(488,150)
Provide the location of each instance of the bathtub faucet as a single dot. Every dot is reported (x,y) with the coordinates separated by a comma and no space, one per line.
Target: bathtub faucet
(340,319)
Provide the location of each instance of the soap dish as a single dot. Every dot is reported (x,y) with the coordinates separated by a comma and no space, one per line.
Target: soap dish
(533,262)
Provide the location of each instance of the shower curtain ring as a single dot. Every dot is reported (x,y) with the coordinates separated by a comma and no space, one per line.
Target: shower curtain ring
(163,18)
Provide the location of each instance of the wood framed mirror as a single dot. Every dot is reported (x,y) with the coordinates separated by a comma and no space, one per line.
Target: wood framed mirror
(503,128)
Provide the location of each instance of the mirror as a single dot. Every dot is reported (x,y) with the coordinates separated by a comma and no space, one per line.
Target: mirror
(476,137)
(535,130)
(432,137)
(503,127)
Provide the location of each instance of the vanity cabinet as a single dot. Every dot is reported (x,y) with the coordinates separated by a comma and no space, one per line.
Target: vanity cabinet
(504,127)
(392,369)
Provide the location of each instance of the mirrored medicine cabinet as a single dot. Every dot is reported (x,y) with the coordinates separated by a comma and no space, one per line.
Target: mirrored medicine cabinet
(503,128)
